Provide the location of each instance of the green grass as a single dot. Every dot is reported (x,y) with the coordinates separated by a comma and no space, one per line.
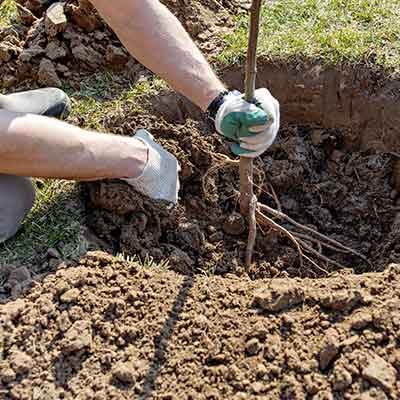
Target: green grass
(8,12)
(105,93)
(330,31)
(53,222)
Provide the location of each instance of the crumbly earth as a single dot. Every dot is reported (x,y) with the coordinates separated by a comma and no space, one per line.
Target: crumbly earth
(348,196)
(56,46)
(110,329)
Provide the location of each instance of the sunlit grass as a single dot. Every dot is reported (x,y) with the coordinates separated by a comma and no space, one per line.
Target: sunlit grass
(53,222)
(8,12)
(330,31)
(104,94)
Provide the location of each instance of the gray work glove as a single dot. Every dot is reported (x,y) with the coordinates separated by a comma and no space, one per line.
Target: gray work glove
(159,179)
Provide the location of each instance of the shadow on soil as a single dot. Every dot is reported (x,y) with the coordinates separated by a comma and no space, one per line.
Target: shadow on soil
(49,234)
(163,339)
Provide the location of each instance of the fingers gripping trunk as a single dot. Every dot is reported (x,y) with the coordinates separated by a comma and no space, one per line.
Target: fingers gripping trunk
(252,127)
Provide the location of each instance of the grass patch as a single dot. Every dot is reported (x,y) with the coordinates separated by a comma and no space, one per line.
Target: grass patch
(8,13)
(106,93)
(53,222)
(331,31)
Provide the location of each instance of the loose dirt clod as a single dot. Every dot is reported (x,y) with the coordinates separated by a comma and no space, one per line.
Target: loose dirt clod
(47,74)
(70,296)
(20,362)
(379,372)
(85,16)
(18,279)
(361,320)
(234,225)
(78,337)
(253,347)
(124,372)
(330,349)
(55,20)
(280,296)
(342,300)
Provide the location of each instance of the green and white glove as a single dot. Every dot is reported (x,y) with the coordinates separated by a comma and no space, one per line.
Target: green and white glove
(253,127)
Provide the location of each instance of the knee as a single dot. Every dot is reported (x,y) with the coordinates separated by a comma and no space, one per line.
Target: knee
(17,197)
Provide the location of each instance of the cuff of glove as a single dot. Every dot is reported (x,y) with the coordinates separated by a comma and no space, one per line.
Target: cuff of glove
(153,166)
(215,105)
(159,179)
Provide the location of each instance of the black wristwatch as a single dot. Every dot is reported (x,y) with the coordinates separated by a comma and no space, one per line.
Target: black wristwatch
(214,106)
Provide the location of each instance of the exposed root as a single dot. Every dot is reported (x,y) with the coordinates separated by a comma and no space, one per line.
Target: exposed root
(257,214)
(267,221)
(318,255)
(220,161)
(275,197)
(300,244)
(308,238)
(324,271)
(325,240)
(224,158)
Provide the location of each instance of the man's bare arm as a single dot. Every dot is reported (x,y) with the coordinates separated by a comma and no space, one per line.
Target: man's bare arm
(158,40)
(32,145)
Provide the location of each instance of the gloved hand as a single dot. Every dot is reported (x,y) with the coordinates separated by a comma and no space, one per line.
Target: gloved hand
(253,127)
(159,179)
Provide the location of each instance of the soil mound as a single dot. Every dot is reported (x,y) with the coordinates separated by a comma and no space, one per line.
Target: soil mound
(110,329)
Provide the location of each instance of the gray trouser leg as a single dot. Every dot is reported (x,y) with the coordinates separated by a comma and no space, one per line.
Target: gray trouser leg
(17,196)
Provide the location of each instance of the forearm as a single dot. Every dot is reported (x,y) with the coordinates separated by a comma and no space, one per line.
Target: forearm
(157,39)
(42,147)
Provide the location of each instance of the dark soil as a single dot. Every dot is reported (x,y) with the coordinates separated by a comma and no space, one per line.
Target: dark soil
(109,329)
(346,195)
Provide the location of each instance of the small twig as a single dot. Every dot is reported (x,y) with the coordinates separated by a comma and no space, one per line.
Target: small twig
(275,197)
(318,242)
(316,265)
(357,176)
(225,158)
(318,255)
